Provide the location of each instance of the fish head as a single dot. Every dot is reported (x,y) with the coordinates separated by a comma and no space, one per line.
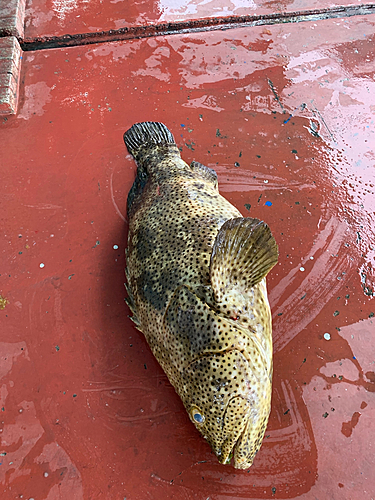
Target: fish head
(222,375)
(228,401)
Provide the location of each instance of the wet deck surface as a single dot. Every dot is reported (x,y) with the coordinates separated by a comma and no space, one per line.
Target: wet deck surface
(285,114)
(61,17)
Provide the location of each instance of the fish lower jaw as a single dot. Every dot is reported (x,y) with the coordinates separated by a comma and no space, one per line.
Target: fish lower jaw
(239,464)
(243,463)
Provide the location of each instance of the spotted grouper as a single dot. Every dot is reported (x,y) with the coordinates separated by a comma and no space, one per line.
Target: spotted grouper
(196,287)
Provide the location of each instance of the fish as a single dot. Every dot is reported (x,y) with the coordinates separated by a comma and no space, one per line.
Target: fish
(196,285)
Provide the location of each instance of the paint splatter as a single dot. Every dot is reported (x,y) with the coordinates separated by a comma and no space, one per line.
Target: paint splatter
(347,427)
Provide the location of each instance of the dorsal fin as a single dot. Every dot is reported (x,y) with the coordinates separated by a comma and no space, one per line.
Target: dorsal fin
(243,253)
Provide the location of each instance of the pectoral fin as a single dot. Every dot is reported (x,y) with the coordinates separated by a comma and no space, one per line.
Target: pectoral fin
(243,253)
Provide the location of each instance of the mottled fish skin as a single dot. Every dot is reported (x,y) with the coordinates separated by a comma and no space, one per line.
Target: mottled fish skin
(210,332)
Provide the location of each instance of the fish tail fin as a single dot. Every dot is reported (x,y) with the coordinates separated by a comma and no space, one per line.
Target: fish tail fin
(147,135)
(148,143)
(243,253)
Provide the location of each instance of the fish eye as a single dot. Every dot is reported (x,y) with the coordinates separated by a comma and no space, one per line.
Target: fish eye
(197,415)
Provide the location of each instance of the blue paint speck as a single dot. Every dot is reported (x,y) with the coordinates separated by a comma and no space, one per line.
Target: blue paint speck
(268,204)
(182,125)
(354,357)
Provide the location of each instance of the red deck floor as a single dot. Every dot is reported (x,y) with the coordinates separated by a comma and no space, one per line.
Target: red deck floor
(285,114)
(61,17)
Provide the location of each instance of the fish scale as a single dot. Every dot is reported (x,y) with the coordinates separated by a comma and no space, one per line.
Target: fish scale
(196,284)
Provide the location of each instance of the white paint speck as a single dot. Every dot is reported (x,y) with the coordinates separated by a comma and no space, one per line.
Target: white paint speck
(302,269)
(115,247)
(41,265)
(45,474)
(266,181)
(327,336)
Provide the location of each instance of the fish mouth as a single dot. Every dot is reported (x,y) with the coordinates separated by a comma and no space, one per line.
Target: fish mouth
(241,446)
(236,418)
